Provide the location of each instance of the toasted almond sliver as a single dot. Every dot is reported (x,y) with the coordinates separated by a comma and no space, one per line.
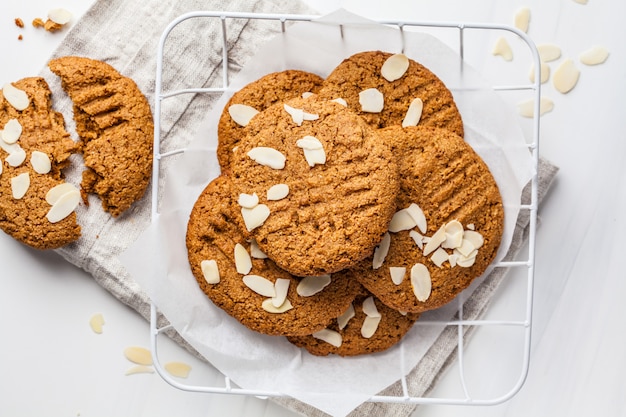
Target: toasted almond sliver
(439,257)
(594,56)
(16,97)
(96,322)
(243,262)
(19,185)
(401,220)
(397,274)
(255,251)
(269,157)
(565,76)
(329,336)
(57,191)
(522,19)
(370,325)
(381,251)
(60,16)
(248,200)
(527,108)
(342,321)
(17,157)
(260,285)
(178,369)
(418,215)
(309,286)
(297,115)
(64,206)
(503,49)
(414,113)
(369,307)
(277,192)
(394,67)
(12,131)
(138,355)
(548,52)
(281,286)
(242,114)
(255,216)
(210,271)
(371,100)
(40,162)
(420,281)
(268,306)
(435,240)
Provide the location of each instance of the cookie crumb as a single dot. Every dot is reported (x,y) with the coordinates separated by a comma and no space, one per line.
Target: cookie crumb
(19,22)
(20,37)
(38,22)
(51,26)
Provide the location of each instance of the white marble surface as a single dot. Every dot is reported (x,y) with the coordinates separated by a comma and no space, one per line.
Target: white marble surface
(53,364)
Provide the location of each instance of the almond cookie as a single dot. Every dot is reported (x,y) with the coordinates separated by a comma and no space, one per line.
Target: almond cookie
(259,95)
(114,122)
(367,326)
(34,147)
(380,87)
(323,185)
(448,226)
(238,278)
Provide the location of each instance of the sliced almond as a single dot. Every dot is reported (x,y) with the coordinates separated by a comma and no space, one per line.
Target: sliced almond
(309,286)
(57,191)
(178,369)
(394,67)
(60,16)
(418,215)
(435,240)
(255,216)
(12,131)
(565,76)
(268,306)
(19,185)
(260,285)
(466,248)
(503,49)
(370,325)
(522,19)
(369,307)
(381,251)
(471,226)
(310,116)
(341,101)
(277,192)
(138,355)
(527,108)
(439,257)
(242,114)
(17,157)
(210,271)
(548,52)
(454,235)
(594,56)
(243,262)
(297,115)
(420,281)
(545,73)
(371,100)
(401,220)
(8,147)
(96,322)
(329,336)
(313,150)
(16,97)
(452,258)
(414,113)
(466,261)
(269,157)
(474,237)
(64,206)
(255,251)
(40,162)
(281,286)
(342,321)
(417,238)
(248,200)
(581,1)
(307,94)
(139,369)
(309,142)
(397,274)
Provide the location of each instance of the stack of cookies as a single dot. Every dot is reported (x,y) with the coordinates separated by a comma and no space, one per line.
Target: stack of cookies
(346,206)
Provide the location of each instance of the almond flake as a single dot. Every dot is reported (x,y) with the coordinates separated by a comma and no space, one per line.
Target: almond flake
(40,162)
(565,76)
(281,286)
(242,114)
(297,115)
(503,49)
(307,94)
(581,1)
(401,220)
(255,216)
(371,100)
(522,19)
(248,200)
(381,251)
(466,248)
(341,101)
(417,238)
(139,369)
(12,131)
(452,258)
(420,281)
(309,142)
(342,321)
(96,322)
(16,97)
(19,185)
(210,271)
(527,108)
(394,67)
(17,157)
(63,206)
(313,150)
(329,336)
(1,166)
(277,192)
(548,52)
(268,306)
(454,235)
(545,73)
(369,327)
(255,251)
(269,157)
(60,16)
(138,355)
(471,226)
(397,274)
(57,191)
(178,369)
(369,307)
(466,261)
(309,286)
(8,147)
(474,237)
(310,116)
(260,285)
(435,240)
(418,215)
(439,257)
(414,113)
(594,56)
(243,262)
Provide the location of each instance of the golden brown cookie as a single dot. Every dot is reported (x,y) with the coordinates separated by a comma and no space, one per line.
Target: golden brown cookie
(339,182)
(213,239)
(114,122)
(444,178)
(260,94)
(361,332)
(363,71)
(43,138)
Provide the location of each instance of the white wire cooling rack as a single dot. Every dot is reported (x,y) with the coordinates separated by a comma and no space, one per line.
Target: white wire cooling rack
(525,259)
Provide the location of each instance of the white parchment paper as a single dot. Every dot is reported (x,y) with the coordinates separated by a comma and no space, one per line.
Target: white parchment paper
(158,260)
